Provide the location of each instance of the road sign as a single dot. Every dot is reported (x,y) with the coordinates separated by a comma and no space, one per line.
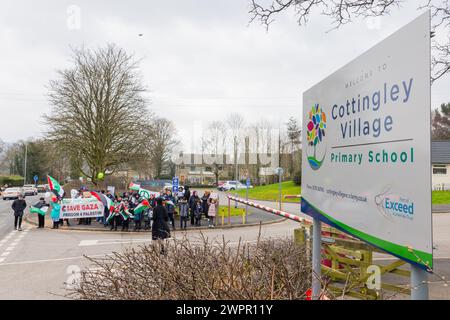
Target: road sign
(366,151)
(35,178)
(279,171)
(175,183)
(248,182)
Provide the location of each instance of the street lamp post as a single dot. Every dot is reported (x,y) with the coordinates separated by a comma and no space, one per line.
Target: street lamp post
(279,171)
(25,165)
(235,169)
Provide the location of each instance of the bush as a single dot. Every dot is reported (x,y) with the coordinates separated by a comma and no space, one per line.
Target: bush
(297,178)
(199,270)
(11,181)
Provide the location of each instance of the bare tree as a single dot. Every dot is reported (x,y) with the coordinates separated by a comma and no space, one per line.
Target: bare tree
(261,138)
(214,146)
(343,12)
(294,133)
(161,139)
(235,123)
(98,109)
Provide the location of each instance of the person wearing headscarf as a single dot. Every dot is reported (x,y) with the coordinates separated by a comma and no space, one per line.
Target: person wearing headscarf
(56,212)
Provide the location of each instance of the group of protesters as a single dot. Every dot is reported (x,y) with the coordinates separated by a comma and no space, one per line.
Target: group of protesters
(157,212)
(189,206)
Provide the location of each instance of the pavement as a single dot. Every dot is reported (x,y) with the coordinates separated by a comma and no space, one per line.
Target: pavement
(41,263)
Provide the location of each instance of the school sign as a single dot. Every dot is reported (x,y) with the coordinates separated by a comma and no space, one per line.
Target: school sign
(366,146)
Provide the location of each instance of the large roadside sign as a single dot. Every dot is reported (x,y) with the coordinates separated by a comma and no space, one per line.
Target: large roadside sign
(366,146)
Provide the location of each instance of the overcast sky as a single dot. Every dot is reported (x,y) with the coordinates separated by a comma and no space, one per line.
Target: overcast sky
(201,60)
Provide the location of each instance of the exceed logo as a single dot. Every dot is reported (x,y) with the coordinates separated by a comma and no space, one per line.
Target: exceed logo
(399,207)
(390,204)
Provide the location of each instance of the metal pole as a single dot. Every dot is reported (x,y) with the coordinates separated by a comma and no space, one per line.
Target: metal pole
(235,169)
(229,211)
(25,166)
(279,189)
(246,206)
(316,258)
(419,283)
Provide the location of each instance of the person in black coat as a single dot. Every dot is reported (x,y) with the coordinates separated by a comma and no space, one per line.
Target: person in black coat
(205,203)
(193,205)
(160,227)
(18,206)
(187,193)
(41,218)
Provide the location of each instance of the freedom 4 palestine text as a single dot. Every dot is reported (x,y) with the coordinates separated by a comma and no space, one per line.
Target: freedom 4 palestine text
(378,156)
(226,309)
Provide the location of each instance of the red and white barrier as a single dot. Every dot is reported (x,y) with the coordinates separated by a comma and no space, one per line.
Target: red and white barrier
(289,196)
(271,210)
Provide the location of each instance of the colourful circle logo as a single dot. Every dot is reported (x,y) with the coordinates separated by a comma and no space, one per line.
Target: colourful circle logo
(317,123)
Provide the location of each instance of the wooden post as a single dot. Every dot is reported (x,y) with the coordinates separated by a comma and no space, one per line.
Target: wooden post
(229,211)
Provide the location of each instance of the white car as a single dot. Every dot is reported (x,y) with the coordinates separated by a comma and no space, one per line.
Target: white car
(30,190)
(12,193)
(233,185)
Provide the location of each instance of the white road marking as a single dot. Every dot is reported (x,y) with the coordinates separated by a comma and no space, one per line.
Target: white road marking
(86,243)
(50,260)
(14,243)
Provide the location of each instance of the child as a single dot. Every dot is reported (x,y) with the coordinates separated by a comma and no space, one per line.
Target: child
(137,220)
(184,211)
(148,218)
(198,213)
(212,210)
(171,211)
(125,215)
(114,220)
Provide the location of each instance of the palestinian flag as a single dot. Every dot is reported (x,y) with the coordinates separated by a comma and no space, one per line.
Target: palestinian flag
(55,187)
(110,216)
(42,211)
(144,193)
(142,206)
(100,197)
(134,186)
(109,204)
(126,214)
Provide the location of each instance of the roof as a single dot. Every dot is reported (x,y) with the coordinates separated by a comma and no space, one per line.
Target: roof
(440,152)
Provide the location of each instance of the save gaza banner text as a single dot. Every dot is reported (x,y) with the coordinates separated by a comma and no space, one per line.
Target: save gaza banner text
(366,146)
(81,208)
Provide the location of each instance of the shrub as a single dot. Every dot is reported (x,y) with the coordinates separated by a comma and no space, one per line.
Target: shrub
(199,270)
(297,178)
(11,181)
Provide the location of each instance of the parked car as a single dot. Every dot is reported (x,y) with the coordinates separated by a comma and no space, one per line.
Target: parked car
(12,193)
(29,190)
(219,185)
(42,188)
(233,185)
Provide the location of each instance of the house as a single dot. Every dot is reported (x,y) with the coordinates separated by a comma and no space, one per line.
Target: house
(198,169)
(440,160)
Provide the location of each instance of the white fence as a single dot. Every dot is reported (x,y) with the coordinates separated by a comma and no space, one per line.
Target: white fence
(441,186)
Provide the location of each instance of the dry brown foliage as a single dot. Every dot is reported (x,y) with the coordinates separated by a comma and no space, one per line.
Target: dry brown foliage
(268,269)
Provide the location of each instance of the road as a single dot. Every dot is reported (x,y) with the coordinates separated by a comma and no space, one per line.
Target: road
(36,263)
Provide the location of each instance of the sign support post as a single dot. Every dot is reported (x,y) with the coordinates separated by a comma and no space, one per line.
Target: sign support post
(316,259)
(246,198)
(419,283)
